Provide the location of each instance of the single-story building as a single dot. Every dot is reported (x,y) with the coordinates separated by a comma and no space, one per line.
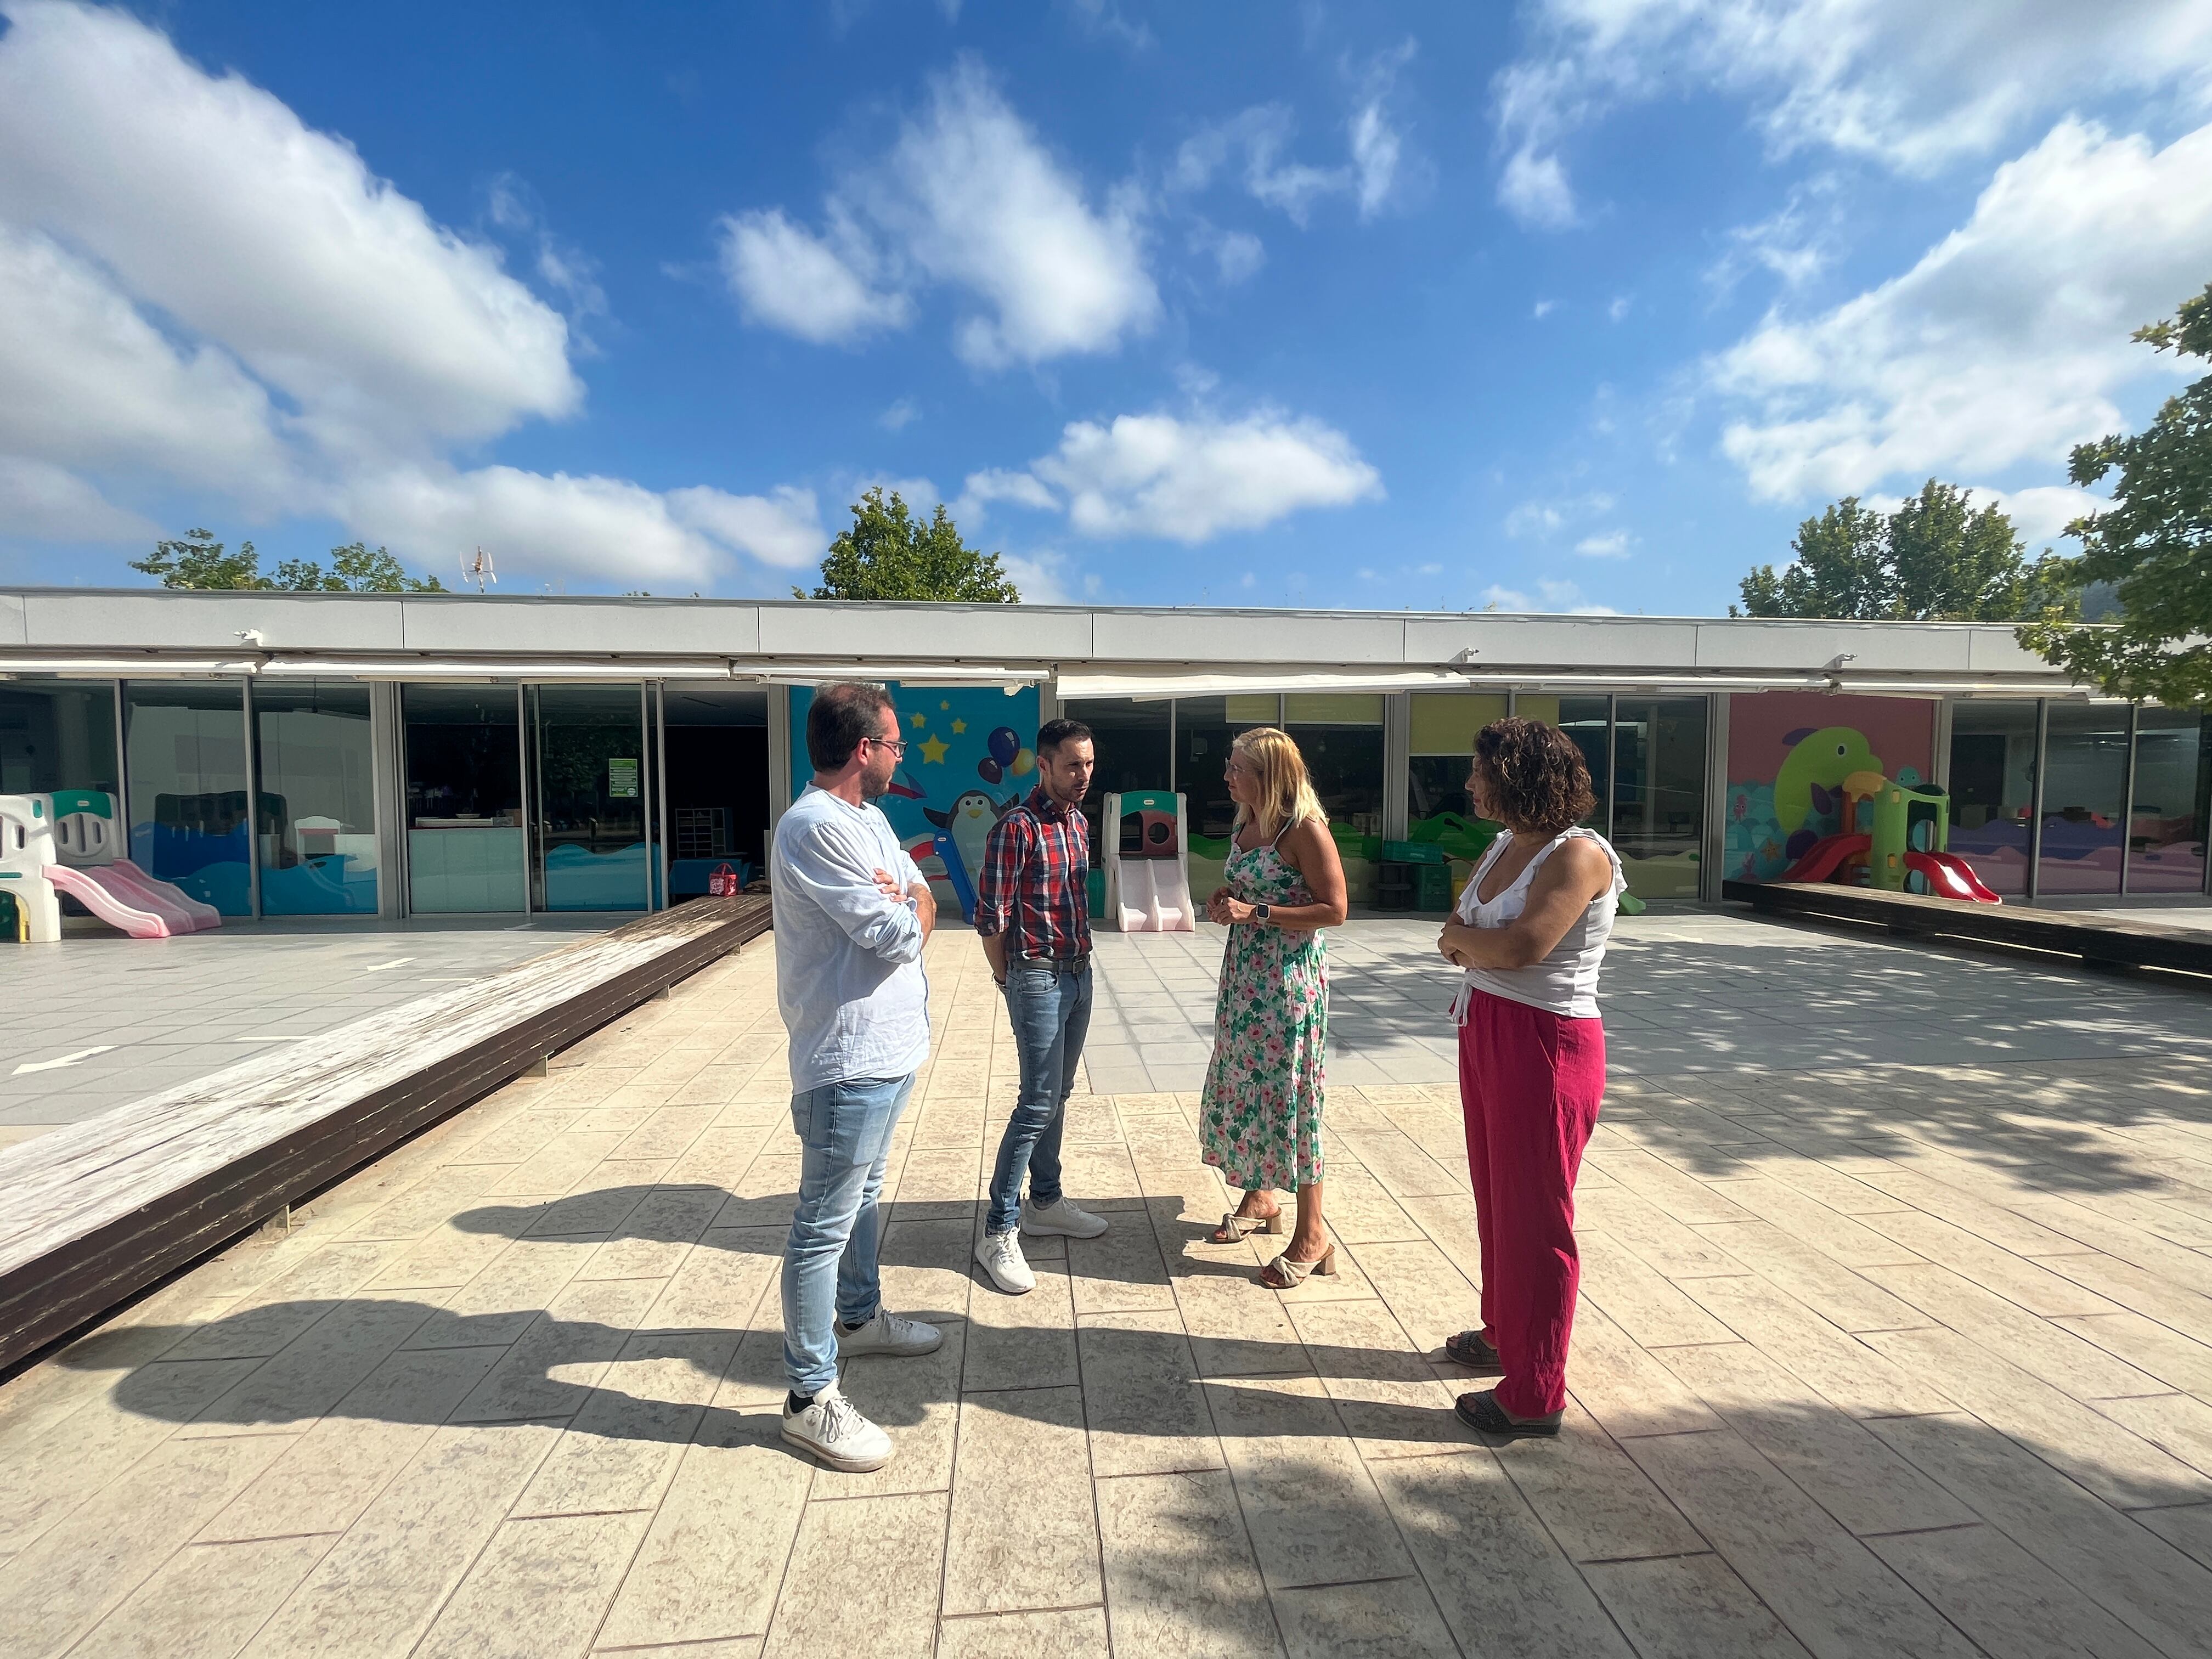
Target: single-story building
(413,754)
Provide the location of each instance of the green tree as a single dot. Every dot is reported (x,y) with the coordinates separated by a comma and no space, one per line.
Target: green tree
(355,570)
(889,554)
(2153,545)
(1935,558)
(196,559)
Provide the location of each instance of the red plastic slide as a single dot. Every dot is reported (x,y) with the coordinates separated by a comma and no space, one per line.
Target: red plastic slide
(1824,857)
(1948,875)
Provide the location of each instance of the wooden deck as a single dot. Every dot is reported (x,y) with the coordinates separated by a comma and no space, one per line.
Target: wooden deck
(97,1211)
(2101,940)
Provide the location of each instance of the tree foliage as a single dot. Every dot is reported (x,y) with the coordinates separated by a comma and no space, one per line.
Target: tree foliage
(196,559)
(1937,558)
(889,554)
(2154,544)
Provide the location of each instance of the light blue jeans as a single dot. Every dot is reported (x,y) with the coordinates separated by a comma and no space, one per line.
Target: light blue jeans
(829,1262)
(1050,1008)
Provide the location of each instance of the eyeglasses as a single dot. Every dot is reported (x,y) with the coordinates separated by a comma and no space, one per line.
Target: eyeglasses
(896,745)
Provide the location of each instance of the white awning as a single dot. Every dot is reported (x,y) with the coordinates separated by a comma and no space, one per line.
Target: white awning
(1151,683)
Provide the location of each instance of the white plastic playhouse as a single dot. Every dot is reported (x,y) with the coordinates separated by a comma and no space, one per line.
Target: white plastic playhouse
(67,843)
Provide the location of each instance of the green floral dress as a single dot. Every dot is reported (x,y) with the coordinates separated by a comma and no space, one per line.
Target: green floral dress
(1260,1114)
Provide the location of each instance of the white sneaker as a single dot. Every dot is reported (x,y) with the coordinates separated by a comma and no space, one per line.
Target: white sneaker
(832,1428)
(1001,1256)
(889,1334)
(1061,1219)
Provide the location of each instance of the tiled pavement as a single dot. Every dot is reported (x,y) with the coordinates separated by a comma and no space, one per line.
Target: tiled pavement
(99,1019)
(1896,1338)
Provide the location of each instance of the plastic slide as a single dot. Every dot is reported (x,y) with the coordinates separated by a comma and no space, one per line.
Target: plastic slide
(133,914)
(1155,897)
(1825,856)
(152,891)
(1950,877)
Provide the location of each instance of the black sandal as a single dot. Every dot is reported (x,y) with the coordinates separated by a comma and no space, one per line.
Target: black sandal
(1467,1348)
(1482,1412)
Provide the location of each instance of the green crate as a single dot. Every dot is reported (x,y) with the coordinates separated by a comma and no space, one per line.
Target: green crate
(1413,852)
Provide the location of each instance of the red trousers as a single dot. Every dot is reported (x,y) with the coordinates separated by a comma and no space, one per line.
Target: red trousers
(1530,1085)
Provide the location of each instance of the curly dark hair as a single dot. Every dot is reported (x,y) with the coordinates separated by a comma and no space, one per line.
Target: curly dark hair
(1537,779)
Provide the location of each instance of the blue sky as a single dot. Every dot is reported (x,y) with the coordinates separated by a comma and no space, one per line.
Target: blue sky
(1580,303)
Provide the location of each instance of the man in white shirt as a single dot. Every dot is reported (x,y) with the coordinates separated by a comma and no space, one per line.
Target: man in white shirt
(852,914)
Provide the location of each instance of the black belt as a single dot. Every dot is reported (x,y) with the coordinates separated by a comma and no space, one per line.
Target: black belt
(1058,962)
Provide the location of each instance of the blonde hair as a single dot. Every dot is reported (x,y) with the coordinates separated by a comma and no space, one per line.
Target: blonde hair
(1287,791)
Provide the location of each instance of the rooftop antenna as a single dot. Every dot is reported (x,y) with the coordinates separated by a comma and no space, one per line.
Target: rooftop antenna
(480,572)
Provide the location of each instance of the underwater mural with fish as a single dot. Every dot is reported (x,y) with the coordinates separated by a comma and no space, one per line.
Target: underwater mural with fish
(967,763)
(1789,753)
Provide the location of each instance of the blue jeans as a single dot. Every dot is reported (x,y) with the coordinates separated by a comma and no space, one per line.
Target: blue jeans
(830,1261)
(1050,1007)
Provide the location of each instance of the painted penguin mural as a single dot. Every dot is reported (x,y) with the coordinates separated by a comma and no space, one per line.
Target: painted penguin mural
(1811,778)
(966,826)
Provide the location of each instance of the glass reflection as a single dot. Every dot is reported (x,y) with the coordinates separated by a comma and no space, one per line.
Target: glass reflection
(317,768)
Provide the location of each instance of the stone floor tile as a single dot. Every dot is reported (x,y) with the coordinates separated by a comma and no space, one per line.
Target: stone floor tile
(1144,1405)
(1431,1296)
(2002,1597)
(2156,1349)
(1652,1308)
(289,1391)
(1691,1607)
(1842,1368)
(721,1281)
(916,1402)
(713,1559)
(1121,1271)
(1385,1391)
(1025,1341)
(1181,1577)
(621,1449)
(2188,1528)
(890,1610)
(2179,1424)
(1598,1505)
(1817,1280)
(1500,1581)
(1023,1531)
(1820,1582)
(1394,1616)
(539,1591)
(556,1362)
(1621,1384)
(1313,1512)
(206,1601)
(1074,1632)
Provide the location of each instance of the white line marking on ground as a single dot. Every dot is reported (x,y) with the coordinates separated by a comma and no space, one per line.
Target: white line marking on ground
(379,967)
(55,1064)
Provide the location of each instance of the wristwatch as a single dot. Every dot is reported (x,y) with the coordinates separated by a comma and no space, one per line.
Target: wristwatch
(1261,912)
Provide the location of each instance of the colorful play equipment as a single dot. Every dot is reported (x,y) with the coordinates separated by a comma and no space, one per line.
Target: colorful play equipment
(1148,858)
(66,842)
(1904,852)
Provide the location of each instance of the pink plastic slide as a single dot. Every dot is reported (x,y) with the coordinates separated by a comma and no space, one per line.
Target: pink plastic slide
(1950,877)
(200,915)
(138,911)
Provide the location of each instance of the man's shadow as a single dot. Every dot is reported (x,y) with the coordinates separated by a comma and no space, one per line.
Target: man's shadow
(413,1362)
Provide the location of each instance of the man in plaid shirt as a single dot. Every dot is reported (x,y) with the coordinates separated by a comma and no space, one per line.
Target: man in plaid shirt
(1033,911)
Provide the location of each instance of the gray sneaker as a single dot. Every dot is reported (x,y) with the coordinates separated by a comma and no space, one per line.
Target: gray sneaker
(832,1428)
(1060,1219)
(1001,1256)
(889,1334)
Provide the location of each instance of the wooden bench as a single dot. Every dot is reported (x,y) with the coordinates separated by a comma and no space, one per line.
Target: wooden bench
(93,1213)
(2103,940)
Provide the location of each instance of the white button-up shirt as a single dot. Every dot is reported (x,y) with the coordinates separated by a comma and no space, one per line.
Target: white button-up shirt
(848,975)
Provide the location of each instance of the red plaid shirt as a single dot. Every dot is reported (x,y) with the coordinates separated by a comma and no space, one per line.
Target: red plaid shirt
(1035,880)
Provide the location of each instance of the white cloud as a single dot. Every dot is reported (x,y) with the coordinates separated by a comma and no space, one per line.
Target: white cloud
(1618,309)
(782,528)
(1042,578)
(2005,343)
(1237,254)
(1796,243)
(1260,136)
(788,278)
(899,416)
(2042,512)
(1189,481)
(969,198)
(999,484)
(1541,519)
(43,502)
(1612,544)
(207,197)
(1911,86)
(1544,308)
(1554,597)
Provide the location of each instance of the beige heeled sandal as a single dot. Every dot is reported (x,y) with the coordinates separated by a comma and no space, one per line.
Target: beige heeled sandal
(1288,1275)
(1240,1227)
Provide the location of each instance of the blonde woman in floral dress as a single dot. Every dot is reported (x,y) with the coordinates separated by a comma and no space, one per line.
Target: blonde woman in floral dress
(1260,1115)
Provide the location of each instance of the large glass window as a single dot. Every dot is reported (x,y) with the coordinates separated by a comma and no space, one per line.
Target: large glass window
(717,738)
(1588,721)
(1442,726)
(55,735)
(590,851)
(2173,779)
(317,766)
(1992,790)
(465,827)
(1340,735)
(184,747)
(1659,793)
(2084,796)
(1132,743)
(1204,728)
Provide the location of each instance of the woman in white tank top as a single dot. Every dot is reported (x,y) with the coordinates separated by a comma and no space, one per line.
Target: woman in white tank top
(1529,934)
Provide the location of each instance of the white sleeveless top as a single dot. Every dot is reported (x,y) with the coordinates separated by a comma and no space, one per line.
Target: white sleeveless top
(1563,983)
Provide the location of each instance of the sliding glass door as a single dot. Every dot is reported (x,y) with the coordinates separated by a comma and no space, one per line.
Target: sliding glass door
(590,849)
